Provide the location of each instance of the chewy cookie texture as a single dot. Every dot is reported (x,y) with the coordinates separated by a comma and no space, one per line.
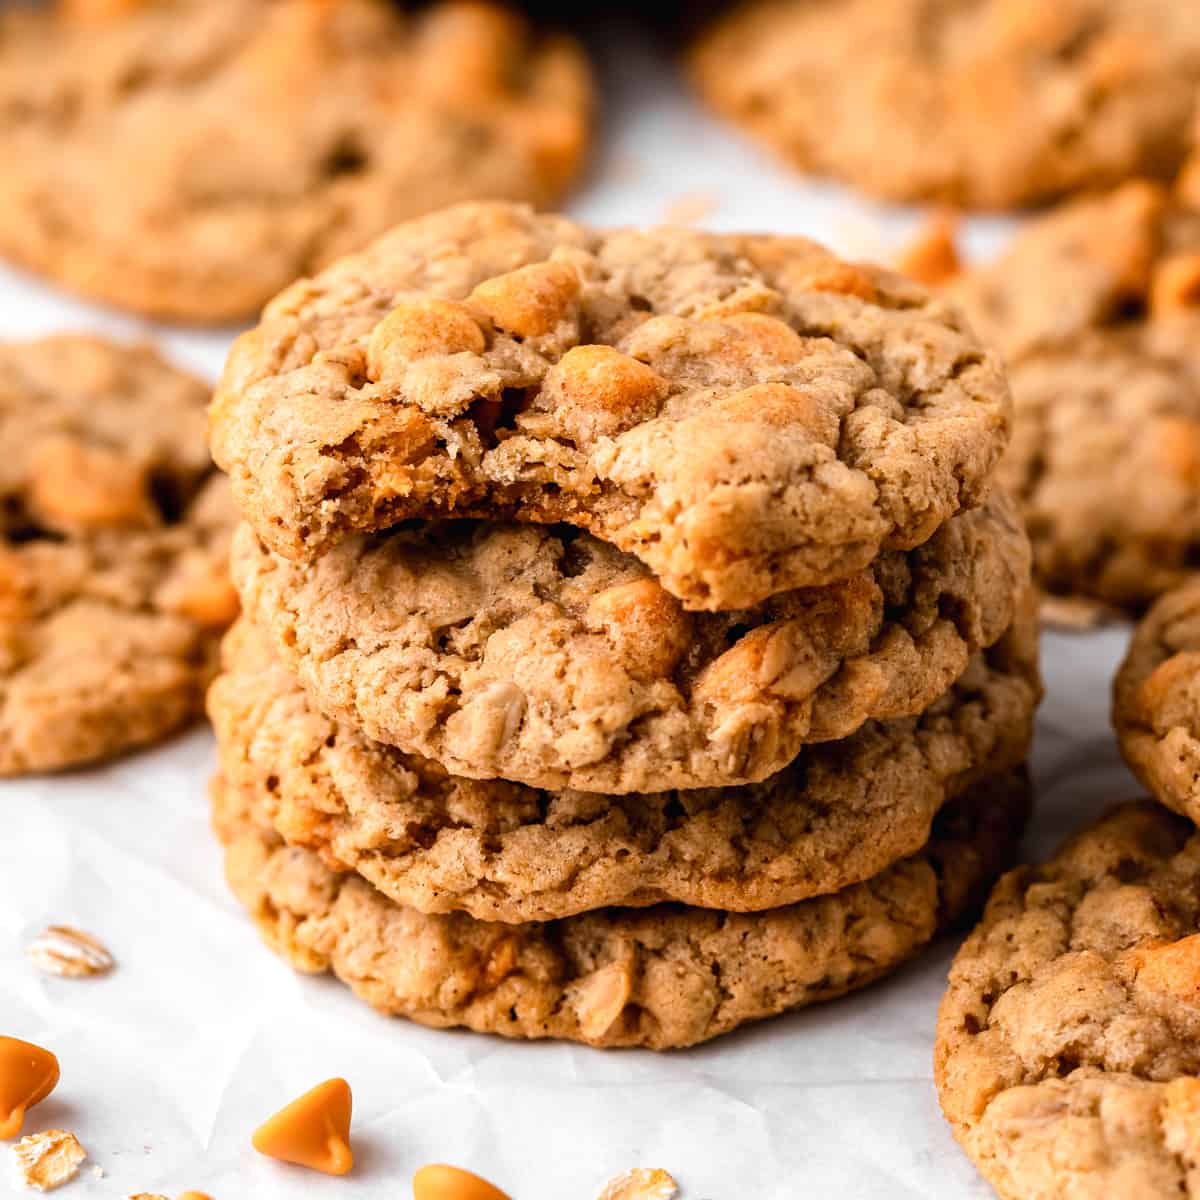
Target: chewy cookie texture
(266,137)
(539,654)
(979,103)
(661,977)
(114,536)
(838,814)
(746,415)
(1068,1043)
(1095,308)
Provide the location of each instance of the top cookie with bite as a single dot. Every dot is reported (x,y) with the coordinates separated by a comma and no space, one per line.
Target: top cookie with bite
(745,414)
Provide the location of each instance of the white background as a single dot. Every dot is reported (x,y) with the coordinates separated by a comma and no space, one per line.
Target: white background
(171,1062)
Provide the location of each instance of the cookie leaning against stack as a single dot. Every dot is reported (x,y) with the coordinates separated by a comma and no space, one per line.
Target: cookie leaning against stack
(633,646)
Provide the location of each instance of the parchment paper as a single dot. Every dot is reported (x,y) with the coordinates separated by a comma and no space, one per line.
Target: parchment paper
(172,1061)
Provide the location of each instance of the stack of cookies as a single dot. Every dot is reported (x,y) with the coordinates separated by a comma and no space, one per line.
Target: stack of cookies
(633,642)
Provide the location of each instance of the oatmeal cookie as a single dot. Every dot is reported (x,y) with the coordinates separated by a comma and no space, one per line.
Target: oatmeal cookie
(114,541)
(189,158)
(1156,701)
(1068,1042)
(980,103)
(746,415)
(501,851)
(539,654)
(662,977)
(1095,308)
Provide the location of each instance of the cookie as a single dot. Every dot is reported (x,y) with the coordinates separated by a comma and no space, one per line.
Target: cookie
(1095,308)
(661,977)
(114,541)
(266,137)
(980,103)
(1156,701)
(1068,1041)
(746,415)
(542,655)
(501,851)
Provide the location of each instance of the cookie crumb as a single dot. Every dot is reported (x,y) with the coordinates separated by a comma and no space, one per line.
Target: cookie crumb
(641,1183)
(69,953)
(46,1161)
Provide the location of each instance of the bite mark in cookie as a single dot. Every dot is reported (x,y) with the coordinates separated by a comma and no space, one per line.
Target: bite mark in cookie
(746,415)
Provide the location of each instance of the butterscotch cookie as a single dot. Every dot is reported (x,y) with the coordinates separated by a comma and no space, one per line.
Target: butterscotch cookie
(744,414)
(539,654)
(1068,1043)
(188,158)
(660,977)
(500,851)
(114,540)
(982,103)
(1095,308)
(1156,701)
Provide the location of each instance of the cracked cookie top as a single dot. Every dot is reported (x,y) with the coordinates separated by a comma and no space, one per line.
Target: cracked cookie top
(539,654)
(662,977)
(266,137)
(744,414)
(1156,701)
(1095,307)
(979,103)
(114,542)
(1068,1042)
(502,851)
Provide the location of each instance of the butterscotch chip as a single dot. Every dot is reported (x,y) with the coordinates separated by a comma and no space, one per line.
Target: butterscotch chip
(501,851)
(689,974)
(266,139)
(1093,306)
(601,400)
(1156,701)
(933,258)
(46,1161)
(1068,1041)
(113,551)
(976,103)
(312,1131)
(526,653)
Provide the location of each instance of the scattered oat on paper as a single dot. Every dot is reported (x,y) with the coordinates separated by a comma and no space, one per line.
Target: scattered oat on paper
(69,953)
(47,1160)
(641,1183)
(147,1196)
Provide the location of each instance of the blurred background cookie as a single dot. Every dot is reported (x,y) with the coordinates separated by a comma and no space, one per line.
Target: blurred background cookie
(981,103)
(188,158)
